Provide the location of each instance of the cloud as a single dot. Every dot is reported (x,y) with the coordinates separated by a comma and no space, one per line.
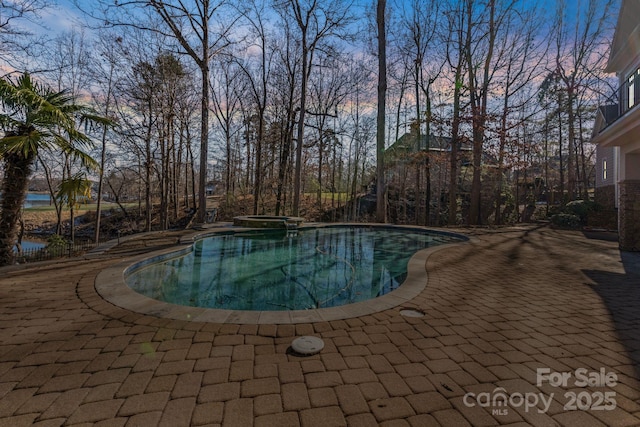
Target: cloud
(58,18)
(61,18)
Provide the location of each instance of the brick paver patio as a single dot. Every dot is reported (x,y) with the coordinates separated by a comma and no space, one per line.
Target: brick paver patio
(497,308)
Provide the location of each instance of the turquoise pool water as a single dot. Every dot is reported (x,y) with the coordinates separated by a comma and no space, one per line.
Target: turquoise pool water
(270,270)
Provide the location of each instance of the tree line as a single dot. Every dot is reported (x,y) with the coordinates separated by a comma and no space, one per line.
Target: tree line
(288,107)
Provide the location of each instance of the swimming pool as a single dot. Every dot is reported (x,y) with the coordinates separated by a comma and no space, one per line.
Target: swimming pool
(274,271)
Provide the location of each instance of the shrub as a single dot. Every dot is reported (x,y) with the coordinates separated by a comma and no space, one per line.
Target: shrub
(577,210)
(564,220)
(56,244)
(581,209)
(56,241)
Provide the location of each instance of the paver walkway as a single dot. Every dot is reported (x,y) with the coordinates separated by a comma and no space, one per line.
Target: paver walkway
(498,308)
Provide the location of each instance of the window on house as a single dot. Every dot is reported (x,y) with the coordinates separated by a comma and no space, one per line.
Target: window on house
(631,89)
(604,169)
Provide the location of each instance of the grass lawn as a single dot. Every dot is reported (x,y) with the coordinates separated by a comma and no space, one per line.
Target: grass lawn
(326,197)
(83,208)
(45,216)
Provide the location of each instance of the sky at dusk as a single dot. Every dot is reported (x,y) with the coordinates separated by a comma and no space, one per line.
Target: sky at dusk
(63,16)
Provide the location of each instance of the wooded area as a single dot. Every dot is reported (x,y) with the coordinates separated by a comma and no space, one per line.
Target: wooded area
(443,112)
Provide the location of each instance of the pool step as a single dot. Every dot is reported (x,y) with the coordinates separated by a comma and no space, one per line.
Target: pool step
(292,228)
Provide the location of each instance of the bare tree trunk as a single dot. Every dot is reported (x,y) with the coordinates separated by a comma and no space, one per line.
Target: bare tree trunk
(583,158)
(503,143)
(381,193)
(192,168)
(204,127)
(571,161)
(455,124)
(103,154)
(418,127)
(297,180)
(563,199)
(320,161)
(287,142)
(284,162)
(162,174)
(479,97)
(147,173)
(427,165)
(72,225)
(175,175)
(52,195)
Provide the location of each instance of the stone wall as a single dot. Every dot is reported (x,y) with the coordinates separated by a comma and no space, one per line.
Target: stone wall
(606,197)
(606,216)
(629,215)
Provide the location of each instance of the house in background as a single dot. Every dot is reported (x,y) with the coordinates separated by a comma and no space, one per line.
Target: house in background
(405,165)
(617,130)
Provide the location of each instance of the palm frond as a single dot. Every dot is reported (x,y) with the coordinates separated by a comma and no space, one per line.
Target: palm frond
(94,117)
(23,144)
(44,119)
(7,122)
(74,190)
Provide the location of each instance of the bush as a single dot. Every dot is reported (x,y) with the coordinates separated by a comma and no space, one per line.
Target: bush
(56,244)
(581,209)
(564,220)
(578,210)
(56,241)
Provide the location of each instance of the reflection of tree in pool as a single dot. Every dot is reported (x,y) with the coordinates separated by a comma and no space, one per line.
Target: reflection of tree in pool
(318,268)
(350,280)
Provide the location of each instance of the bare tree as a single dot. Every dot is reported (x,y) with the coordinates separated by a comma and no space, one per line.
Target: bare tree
(523,53)
(226,92)
(328,89)
(381,205)
(455,39)
(285,97)
(420,23)
(13,31)
(577,42)
(484,26)
(66,64)
(187,111)
(200,32)
(104,71)
(317,22)
(255,16)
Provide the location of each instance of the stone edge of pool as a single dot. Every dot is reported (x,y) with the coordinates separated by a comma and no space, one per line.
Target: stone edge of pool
(110,285)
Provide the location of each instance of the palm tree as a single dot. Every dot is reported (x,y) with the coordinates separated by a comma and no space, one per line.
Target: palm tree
(72,192)
(34,118)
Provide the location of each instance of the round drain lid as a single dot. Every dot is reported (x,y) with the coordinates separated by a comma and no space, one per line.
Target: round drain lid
(307,345)
(411,312)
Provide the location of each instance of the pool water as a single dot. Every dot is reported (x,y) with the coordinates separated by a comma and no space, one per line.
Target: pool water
(268,270)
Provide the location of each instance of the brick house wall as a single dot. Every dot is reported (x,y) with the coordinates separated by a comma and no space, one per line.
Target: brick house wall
(629,218)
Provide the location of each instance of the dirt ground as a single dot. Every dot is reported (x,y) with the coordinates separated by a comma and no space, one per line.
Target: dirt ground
(35,219)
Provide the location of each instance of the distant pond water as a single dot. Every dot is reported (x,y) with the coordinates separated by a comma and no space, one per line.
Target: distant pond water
(34,200)
(37,199)
(28,245)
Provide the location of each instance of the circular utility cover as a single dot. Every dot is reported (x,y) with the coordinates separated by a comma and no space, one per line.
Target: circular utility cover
(307,345)
(411,312)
